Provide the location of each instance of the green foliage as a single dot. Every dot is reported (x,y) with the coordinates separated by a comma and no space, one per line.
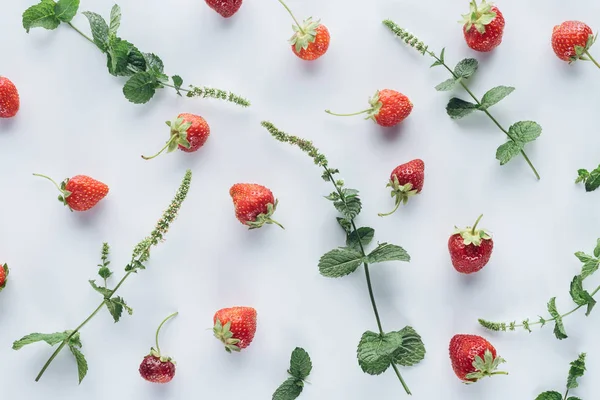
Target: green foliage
(458,108)
(448,84)
(388,252)
(51,338)
(520,134)
(82,365)
(576,371)
(177,82)
(99,29)
(581,296)
(300,368)
(289,390)
(42,15)
(115,20)
(466,68)
(362,236)
(591,179)
(141,87)
(550,396)
(494,96)
(340,262)
(376,351)
(559,328)
(65,10)
(412,349)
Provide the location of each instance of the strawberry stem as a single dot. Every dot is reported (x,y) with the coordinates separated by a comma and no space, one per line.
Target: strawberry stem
(349,115)
(294,18)
(587,52)
(53,181)
(398,202)
(159,328)
(166,146)
(475,224)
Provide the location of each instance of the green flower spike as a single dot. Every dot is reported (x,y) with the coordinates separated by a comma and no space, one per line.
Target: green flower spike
(401,192)
(479,16)
(178,137)
(224,334)
(6,271)
(485,367)
(305,33)
(262,219)
(472,235)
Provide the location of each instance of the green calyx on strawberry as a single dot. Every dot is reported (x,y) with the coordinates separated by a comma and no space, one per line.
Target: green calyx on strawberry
(401,192)
(304,34)
(156,353)
(224,334)
(3,276)
(472,235)
(488,366)
(479,16)
(262,219)
(376,105)
(179,134)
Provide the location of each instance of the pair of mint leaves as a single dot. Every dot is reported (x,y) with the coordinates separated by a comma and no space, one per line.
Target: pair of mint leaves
(300,368)
(576,371)
(591,180)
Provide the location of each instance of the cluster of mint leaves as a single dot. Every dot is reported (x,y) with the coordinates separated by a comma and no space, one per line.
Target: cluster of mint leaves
(580,296)
(114,304)
(591,180)
(377,351)
(300,367)
(145,70)
(576,371)
(519,134)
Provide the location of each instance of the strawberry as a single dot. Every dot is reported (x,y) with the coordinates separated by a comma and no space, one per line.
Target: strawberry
(483,26)
(189,132)
(388,108)
(225,7)
(254,204)
(3,276)
(80,193)
(470,248)
(406,181)
(235,327)
(310,40)
(9,98)
(155,367)
(572,40)
(473,358)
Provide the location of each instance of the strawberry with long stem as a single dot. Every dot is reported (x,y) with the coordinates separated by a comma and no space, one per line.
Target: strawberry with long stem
(156,367)
(388,108)
(311,38)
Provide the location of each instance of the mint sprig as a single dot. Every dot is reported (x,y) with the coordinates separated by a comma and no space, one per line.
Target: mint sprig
(377,351)
(580,296)
(591,180)
(576,371)
(145,71)
(519,134)
(114,304)
(300,368)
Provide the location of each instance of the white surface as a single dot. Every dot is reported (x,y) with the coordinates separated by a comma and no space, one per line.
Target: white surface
(74,119)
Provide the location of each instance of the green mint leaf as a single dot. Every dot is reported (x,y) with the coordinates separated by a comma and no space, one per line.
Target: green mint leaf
(593,180)
(41,15)
(573,398)
(340,262)
(582,175)
(120,301)
(140,88)
(576,371)
(559,328)
(584,257)
(115,309)
(597,249)
(100,289)
(82,365)
(458,108)
(494,96)
(580,296)
(345,224)
(388,252)
(412,349)
(349,207)
(376,352)
(177,82)
(136,59)
(104,272)
(300,364)
(65,10)
(448,84)
(590,264)
(508,151)
(289,390)
(362,236)
(154,63)
(442,54)
(117,54)
(525,131)
(50,338)
(115,20)
(99,29)
(466,68)
(550,396)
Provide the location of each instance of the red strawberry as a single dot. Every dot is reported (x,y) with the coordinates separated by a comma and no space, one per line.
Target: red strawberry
(473,358)
(3,276)
(9,98)
(470,248)
(189,132)
(235,327)
(80,193)
(156,367)
(572,40)
(406,181)
(388,108)
(254,204)
(225,7)
(310,40)
(483,26)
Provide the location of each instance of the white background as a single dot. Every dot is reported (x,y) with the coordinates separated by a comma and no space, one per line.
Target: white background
(75,120)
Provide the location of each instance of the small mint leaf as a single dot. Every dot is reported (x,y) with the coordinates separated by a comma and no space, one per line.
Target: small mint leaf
(580,296)
(51,338)
(362,236)
(115,20)
(550,396)
(508,151)
(559,328)
(494,96)
(388,252)
(289,390)
(300,364)
(593,181)
(82,365)
(525,131)
(466,68)
(100,289)
(448,84)
(177,82)
(458,108)
(576,371)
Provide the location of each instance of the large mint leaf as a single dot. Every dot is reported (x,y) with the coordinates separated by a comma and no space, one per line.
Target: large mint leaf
(65,10)
(362,236)
(412,349)
(289,390)
(387,252)
(41,15)
(340,262)
(140,88)
(50,338)
(376,352)
(300,364)
(99,29)
(494,96)
(458,108)
(559,328)
(465,68)
(525,131)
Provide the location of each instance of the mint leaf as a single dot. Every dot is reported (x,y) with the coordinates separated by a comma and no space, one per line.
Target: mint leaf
(177,82)
(458,108)
(117,54)
(345,224)
(104,272)
(115,309)
(376,352)
(99,29)
(559,328)
(576,371)
(590,264)
(154,63)
(494,96)
(573,398)
(582,175)
(446,85)
(597,249)
(525,131)
(41,15)
(388,252)
(101,289)
(441,61)
(550,396)
(65,10)
(580,296)
(584,257)
(82,365)
(115,20)
(136,59)
(50,338)
(140,88)
(350,207)
(362,236)
(593,180)
(508,151)
(289,390)
(466,68)
(300,364)
(340,262)
(412,349)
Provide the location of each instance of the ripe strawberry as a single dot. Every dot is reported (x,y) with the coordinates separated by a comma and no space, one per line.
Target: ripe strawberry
(473,358)
(310,40)
(9,98)
(235,327)
(189,132)
(3,276)
(483,26)
(155,367)
(225,7)
(80,193)
(254,204)
(572,40)
(470,248)
(388,108)
(406,181)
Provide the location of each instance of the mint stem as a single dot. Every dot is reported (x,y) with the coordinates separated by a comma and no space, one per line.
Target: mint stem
(294,18)
(159,328)
(587,52)
(81,33)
